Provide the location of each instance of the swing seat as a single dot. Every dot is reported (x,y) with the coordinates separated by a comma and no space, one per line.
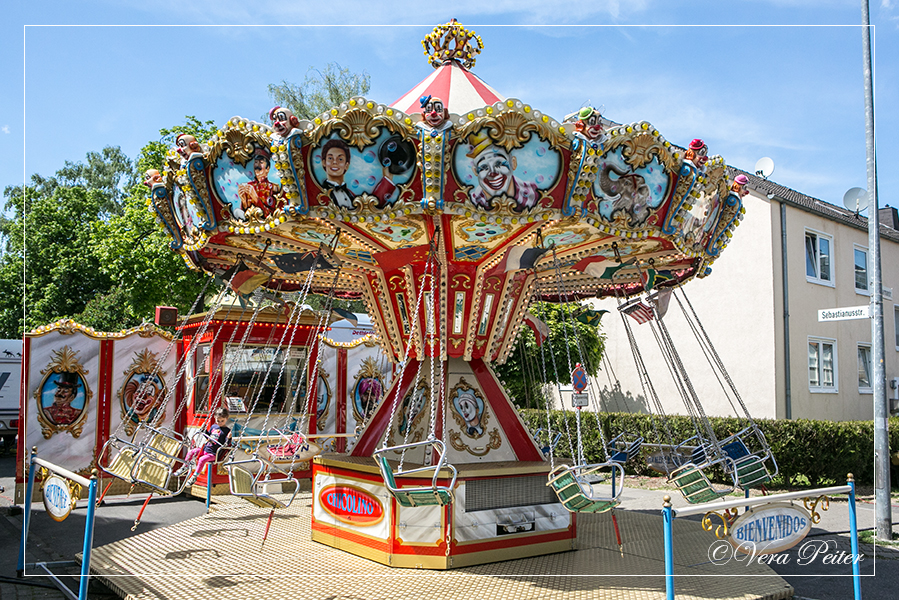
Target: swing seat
(750,468)
(121,464)
(692,482)
(152,473)
(751,471)
(432,495)
(621,451)
(576,494)
(249,485)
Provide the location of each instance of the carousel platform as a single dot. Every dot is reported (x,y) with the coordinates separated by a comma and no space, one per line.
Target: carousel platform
(221,555)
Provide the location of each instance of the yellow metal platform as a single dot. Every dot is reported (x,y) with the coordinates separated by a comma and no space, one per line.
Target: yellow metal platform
(220,555)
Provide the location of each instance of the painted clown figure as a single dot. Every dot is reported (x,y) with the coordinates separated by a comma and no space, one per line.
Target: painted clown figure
(493,165)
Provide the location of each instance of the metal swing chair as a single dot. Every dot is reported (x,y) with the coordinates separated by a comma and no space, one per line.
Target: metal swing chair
(574,484)
(152,460)
(754,463)
(251,478)
(432,494)
(691,478)
(625,446)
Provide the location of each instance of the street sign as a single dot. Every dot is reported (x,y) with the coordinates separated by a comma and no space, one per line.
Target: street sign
(579,378)
(580,400)
(844,314)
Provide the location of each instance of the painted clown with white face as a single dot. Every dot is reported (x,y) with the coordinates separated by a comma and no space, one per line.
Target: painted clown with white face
(494,166)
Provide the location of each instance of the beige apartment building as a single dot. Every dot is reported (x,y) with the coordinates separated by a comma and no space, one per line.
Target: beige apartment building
(784,363)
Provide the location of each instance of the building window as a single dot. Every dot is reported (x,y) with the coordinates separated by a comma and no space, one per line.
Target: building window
(896,324)
(861,270)
(817,257)
(864,369)
(822,365)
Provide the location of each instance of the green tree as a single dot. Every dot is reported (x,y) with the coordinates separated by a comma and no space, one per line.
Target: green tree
(86,246)
(523,372)
(321,90)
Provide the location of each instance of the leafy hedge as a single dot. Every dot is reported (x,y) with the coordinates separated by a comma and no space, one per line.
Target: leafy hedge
(822,452)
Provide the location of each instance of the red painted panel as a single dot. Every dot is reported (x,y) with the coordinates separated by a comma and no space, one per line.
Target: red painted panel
(340,398)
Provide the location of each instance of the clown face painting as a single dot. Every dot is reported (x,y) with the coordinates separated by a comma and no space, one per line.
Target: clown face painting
(142,391)
(492,171)
(469,410)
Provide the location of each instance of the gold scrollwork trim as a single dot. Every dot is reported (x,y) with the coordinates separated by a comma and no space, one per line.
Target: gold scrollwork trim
(461,282)
(359,128)
(69,327)
(640,147)
(238,141)
(512,129)
(813,503)
(493,443)
(727,518)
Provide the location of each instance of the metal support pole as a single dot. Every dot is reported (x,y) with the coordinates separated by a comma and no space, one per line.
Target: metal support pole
(669,550)
(29,490)
(853,526)
(88,537)
(882,512)
(208,485)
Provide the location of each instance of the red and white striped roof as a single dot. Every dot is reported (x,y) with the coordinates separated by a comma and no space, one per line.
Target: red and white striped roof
(461,91)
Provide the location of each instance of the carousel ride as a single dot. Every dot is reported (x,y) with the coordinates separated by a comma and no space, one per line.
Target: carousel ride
(448,212)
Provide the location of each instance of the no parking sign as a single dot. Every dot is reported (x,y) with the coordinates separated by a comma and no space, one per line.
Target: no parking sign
(579,382)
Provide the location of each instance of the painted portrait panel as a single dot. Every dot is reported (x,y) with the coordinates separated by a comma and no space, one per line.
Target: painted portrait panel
(492,171)
(345,173)
(629,194)
(250,190)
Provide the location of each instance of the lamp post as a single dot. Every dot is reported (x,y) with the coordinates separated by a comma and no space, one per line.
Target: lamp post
(882,512)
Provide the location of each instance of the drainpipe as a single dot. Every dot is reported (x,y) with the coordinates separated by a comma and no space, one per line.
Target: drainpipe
(788,388)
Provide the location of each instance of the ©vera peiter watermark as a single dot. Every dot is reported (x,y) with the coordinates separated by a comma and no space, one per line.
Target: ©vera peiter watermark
(824,552)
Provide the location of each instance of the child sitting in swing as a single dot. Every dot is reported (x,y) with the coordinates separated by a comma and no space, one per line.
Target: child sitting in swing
(217,436)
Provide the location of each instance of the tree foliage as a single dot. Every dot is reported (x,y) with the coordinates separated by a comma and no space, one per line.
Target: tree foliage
(320,91)
(569,342)
(87,247)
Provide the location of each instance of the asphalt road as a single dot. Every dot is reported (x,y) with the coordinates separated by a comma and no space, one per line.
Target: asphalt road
(813,577)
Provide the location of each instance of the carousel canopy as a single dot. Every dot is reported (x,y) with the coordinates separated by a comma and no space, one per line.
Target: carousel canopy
(461,90)
(489,206)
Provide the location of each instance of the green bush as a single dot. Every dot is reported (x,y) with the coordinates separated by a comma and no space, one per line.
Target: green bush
(807,452)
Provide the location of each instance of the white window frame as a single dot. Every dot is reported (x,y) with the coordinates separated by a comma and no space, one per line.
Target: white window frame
(867,291)
(823,389)
(869,389)
(817,279)
(896,324)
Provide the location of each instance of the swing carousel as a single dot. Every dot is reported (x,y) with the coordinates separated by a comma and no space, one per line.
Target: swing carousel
(448,213)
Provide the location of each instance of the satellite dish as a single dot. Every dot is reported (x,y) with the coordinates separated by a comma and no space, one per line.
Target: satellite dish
(764,167)
(856,200)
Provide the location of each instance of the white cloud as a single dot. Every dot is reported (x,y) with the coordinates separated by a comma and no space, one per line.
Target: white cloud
(5,129)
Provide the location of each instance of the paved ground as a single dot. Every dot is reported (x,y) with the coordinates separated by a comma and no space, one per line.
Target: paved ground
(54,541)
(51,541)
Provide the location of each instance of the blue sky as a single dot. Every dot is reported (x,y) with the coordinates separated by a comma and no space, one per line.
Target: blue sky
(789,88)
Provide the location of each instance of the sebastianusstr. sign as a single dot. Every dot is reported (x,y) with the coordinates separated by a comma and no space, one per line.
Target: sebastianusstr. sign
(844,314)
